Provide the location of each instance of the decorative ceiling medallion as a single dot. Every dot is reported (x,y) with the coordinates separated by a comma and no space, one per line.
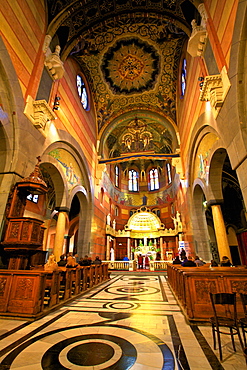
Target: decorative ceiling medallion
(130,66)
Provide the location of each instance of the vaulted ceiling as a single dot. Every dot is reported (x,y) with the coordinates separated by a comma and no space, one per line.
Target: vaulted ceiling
(130,52)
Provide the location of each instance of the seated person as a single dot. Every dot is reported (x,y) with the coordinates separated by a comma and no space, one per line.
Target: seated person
(51,265)
(189,262)
(198,261)
(176,261)
(71,262)
(84,261)
(125,258)
(62,262)
(225,262)
(213,263)
(97,261)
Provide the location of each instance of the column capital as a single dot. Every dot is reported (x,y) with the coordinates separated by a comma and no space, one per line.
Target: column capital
(215,202)
(62,209)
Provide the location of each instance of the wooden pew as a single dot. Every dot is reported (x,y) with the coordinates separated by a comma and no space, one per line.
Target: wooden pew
(192,285)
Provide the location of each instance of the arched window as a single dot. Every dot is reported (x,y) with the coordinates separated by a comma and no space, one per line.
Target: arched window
(183,77)
(82,91)
(169,175)
(133,180)
(154,179)
(117,176)
(156,211)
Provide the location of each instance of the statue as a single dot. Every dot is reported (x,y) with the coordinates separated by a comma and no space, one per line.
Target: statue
(112,253)
(178,217)
(175,222)
(108,219)
(114,224)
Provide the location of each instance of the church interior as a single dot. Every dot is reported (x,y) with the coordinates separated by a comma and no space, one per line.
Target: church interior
(122,135)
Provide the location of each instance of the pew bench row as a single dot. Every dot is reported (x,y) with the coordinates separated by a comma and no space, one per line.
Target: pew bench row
(31,294)
(192,285)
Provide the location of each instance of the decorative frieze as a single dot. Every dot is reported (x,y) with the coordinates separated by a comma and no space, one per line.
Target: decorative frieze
(54,64)
(38,112)
(215,89)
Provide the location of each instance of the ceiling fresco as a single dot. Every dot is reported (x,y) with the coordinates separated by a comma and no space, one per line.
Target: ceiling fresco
(130,52)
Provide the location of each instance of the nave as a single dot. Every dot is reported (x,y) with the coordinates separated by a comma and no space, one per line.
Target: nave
(129,322)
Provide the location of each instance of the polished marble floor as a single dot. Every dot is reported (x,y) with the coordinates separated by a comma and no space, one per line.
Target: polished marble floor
(129,322)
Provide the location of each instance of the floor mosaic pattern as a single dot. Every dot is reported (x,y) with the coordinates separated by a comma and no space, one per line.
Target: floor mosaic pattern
(129,322)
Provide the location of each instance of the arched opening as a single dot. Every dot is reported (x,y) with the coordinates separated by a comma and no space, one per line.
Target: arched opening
(200,226)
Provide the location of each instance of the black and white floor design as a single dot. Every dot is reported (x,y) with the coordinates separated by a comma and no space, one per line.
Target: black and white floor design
(129,322)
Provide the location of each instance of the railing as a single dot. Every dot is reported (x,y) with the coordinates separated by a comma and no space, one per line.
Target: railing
(132,265)
(157,265)
(122,265)
(31,294)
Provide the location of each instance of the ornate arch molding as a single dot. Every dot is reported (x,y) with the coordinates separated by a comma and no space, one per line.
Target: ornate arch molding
(202,184)
(87,15)
(215,173)
(199,136)
(168,124)
(66,194)
(50,165)
(67,142)
(238,64)
(11,112)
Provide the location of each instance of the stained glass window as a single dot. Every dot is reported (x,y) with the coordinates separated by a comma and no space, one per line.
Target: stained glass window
(169,176)
(154,179)
(117,176)
(183,77)
(82,91)
(133,180)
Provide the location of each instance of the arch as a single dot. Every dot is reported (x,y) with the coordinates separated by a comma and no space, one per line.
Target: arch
(165,121)
(199,222)
(215,173)
(10,114)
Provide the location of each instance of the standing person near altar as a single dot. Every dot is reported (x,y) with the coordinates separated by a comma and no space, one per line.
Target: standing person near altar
(146,262)
(140,261)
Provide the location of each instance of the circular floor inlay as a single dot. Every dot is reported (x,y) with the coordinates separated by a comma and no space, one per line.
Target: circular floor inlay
(84,356)
(122,305)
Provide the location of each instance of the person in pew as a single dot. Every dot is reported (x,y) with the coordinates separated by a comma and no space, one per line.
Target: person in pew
(225,262)
(188,262)
(62,262)
(213,263)
(51,264)
(198,261)
(85,261)
(97,261)
(71,262)
(176,261)
(126,258)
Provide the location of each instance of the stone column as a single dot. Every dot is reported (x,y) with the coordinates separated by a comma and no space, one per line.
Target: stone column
(161,249)
(108,239)
(128,248)
(220,231)
(60,232)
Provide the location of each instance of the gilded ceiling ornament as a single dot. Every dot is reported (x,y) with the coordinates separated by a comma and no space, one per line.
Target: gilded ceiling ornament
(131,66)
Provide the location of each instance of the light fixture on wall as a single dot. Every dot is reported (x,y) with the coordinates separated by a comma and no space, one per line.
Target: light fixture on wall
(201,80)
(56,104)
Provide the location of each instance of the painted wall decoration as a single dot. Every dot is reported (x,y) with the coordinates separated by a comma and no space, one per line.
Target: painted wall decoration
(69,167)
(201,168)
(139,198)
